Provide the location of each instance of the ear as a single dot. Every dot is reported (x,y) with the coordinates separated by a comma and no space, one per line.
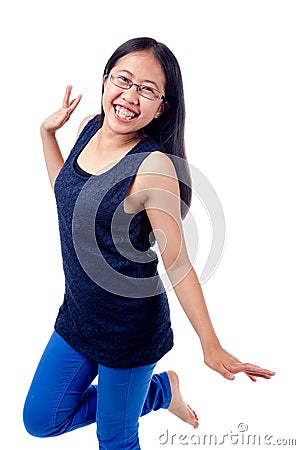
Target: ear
(163,107)
(104,80)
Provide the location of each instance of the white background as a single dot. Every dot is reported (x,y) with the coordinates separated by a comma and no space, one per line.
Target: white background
(240,66)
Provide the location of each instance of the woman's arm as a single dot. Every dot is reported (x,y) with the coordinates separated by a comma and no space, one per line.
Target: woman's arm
(162,203)
(53,157)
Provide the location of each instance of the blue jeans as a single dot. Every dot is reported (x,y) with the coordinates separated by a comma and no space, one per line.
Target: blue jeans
(62,397)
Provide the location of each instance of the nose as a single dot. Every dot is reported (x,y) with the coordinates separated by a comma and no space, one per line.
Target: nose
(131,95)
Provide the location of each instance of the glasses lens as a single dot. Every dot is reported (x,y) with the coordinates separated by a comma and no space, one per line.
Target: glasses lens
(120,81)
(149,92)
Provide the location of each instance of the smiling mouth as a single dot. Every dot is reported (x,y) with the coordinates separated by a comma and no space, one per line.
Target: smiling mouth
(124,113)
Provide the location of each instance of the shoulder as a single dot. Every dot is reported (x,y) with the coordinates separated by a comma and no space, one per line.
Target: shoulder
(157,172)
(84,122)
(157,163)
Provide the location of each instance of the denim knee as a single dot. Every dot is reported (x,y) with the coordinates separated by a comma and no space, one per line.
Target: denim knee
(34,421)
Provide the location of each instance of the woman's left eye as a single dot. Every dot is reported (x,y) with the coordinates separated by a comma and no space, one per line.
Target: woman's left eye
(147,89)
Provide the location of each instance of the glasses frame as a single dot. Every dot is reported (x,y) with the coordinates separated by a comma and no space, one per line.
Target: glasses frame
(130,83)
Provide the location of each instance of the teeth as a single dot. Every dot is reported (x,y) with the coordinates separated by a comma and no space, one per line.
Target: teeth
(124,113)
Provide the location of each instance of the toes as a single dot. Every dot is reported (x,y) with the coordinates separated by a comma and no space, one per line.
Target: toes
(196,419)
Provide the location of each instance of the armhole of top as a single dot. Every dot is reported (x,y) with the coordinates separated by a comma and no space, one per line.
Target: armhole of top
(89,120)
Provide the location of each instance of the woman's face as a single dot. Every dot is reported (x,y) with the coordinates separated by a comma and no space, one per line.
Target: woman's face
(126,111)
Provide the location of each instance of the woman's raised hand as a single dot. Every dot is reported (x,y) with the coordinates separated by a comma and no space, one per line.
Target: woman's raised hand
(60,117)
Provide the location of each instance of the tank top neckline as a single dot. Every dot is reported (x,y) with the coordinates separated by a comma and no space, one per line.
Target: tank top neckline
(83,173)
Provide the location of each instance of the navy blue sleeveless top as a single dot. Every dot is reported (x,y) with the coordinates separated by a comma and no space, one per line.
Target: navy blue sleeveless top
(115,309)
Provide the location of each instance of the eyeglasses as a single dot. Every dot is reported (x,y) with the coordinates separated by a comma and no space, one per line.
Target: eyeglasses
(145,91)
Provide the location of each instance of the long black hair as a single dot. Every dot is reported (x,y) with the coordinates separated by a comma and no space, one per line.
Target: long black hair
(168,129)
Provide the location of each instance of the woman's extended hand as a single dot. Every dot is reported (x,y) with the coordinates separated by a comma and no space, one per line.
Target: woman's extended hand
(60,117)
(227,365)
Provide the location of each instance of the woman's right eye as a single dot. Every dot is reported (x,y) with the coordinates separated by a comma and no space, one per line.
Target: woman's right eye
(123,79)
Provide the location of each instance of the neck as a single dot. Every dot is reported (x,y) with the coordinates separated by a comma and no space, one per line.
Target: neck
(108,140)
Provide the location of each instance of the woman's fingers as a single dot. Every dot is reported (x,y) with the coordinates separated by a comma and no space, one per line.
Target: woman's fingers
(70,105)
(60,117)
(73,104)
(228,365)
(67,97)
(251,378)
(252,371)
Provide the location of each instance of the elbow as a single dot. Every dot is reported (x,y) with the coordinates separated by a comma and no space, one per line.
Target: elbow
(179,270)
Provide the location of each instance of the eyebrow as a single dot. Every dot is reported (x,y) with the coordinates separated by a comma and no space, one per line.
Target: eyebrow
(145,81)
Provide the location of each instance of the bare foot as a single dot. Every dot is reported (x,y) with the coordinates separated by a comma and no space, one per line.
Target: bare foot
(178,405)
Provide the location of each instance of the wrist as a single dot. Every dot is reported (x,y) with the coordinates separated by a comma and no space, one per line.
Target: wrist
(45,132)
(210,345)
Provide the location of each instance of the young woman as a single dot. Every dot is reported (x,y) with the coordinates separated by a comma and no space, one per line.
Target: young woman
(118,190)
